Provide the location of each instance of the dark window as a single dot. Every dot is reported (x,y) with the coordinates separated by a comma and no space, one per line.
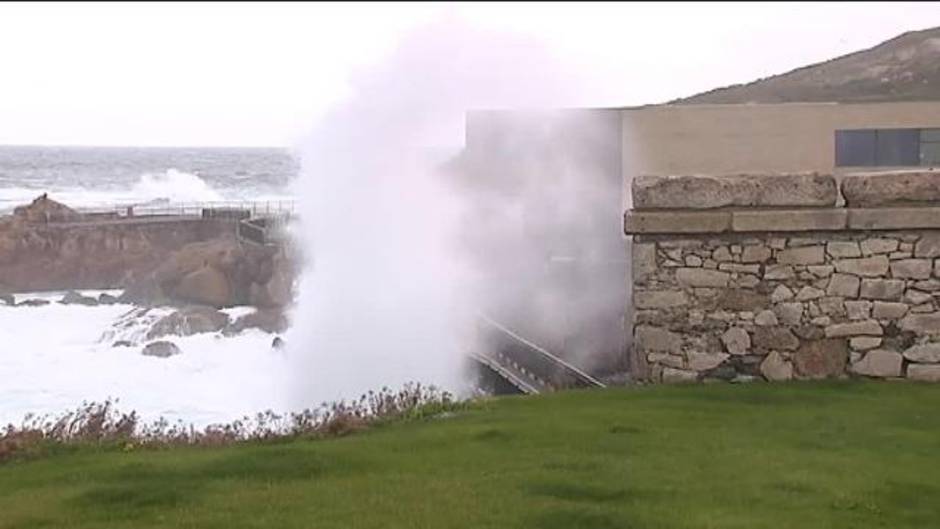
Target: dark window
(887,147)
(855,148)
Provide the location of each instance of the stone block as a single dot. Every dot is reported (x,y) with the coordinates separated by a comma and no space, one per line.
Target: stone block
(821,359)
(878,245)
(928,246)
(737,341)
(756,254)
(864,343)
(875,266)
(916,297)
(843,285)
(706,191)
(659,299)
(704,361)
(883,289)
(855,328)
(821,271)
(774,338)
(765,318)
(678,376)
(639,222)
(648,338)
(924,373)
(891,188)
(808,293)
(804,255)
(644,261)
(894,218)
(922,324)
(789,220)
(739,268)
(879,363)
(742,300)
(789,313)
(701,277)
(887,310)
(781,293)
(666,359)
(843,249)
(928,353)
(858,310)
(779,272)
(776,368)
(912,268)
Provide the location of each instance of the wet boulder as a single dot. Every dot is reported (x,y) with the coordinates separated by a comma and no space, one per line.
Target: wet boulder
(188,321)
(161,349)
(33,303)
(107,299)
(74,298)
(268,320)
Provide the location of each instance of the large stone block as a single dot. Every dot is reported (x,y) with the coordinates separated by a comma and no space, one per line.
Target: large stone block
(889,188)
(648,338)
(705,361)
(855,328)
(878,245)
(755,254)
(644,261)
(700,277)
(879,363)
(705,192)
(928,246)
(738,300)
(843,285)
(843,249)
(737,341)
(821,359)
(912,268)
(805,255)
(779,338)
(922,324)
(659,299)
(776,368)
(883,289)
(875,266)
(638,222)
(893,218)
(888,310)
(789,220)
(924,373)
(928,353)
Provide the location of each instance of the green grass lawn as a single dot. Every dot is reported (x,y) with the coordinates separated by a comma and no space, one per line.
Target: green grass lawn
(830,455)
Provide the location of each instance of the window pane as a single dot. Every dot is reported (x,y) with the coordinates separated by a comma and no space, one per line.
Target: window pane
(930,135)
(855,148)
(898,147)
(930,154)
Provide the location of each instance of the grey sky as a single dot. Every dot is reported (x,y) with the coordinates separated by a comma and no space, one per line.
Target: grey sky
(259,74)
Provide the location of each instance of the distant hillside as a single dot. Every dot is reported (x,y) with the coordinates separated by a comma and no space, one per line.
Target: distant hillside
(904,68)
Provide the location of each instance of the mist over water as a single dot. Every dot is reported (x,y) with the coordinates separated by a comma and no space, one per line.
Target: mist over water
(389,289)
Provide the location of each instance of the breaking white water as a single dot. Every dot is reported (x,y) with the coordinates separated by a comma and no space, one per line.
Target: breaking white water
(54,357)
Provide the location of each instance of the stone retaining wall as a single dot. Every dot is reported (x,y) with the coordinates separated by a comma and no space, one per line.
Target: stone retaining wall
(780,293)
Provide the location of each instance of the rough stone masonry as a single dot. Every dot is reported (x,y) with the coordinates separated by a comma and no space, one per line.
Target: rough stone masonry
(763,276)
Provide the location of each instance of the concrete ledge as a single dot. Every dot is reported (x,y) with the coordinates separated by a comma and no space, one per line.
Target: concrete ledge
(789,220)
(893,218)
(636,222)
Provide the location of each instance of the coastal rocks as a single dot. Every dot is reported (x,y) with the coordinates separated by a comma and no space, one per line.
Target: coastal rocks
(193,320)
(107,299)
(267,320)
(205,286)
(33,303)
(44,210)
(74,298)
(161,349)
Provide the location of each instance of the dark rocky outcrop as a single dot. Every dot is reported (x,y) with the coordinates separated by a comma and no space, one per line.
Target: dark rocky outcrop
(268,320)
(74,298)
(161,349)
(107,299)
(33,303)
(191,320)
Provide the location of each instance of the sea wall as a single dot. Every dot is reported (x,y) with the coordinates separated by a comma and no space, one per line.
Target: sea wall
(763,276)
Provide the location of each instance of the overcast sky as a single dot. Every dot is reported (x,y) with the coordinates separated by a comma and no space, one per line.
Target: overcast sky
(259,74)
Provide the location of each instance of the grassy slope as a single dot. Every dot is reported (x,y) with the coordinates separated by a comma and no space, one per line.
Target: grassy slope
(801,455)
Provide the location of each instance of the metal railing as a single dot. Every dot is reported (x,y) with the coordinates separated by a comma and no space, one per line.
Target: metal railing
(526,360)
(268,208)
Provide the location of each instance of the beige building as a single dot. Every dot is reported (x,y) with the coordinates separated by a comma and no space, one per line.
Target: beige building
(824,137)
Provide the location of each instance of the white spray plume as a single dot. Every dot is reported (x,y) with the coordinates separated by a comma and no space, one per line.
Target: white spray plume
(385,297)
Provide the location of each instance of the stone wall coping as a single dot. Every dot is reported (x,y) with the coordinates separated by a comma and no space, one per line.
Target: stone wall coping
(758,220)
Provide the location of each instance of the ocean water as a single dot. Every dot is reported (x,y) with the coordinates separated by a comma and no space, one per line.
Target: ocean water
(91,177)
(55,357)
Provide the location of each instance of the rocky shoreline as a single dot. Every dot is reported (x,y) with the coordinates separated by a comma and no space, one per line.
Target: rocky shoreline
(193,267)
